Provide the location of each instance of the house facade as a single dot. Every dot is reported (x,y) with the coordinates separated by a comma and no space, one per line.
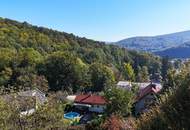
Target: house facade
(94,103)
(128,85)
(146,98)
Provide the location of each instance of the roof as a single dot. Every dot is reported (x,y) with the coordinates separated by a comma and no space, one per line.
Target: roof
(40,96)
(71,98)
(36,95)
(23,103)
(142,85)
(128,85)
(151,88)
(90,99)
(124,84)
(80,98)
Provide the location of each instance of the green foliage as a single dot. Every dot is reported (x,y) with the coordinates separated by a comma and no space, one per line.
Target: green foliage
(5,76)
(172,113)
(24,46)
(47,116)
(29,56)
(143,75)
(95,124)
(119,101)
(7,56)
(165,67)
(102,77)
(82,78)
(171,79)
(7,115)
(129,72)
(23,78)
(65,72)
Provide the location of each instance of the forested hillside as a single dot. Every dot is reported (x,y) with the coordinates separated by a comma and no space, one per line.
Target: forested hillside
(181,51)
(34,56)
(155,43)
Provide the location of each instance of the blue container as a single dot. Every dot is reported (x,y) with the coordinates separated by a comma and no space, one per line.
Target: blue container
(71,115)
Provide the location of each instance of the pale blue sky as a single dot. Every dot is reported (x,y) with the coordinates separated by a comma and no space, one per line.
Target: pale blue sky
(105,20)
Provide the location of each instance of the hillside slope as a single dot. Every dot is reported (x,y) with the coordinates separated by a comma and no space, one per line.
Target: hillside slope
(182,51)
(27,52)
(155,43)
(18,35)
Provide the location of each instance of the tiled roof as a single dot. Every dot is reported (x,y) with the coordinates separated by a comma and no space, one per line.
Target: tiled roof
(151,88)
(80,98)
(40,96)
(90,99)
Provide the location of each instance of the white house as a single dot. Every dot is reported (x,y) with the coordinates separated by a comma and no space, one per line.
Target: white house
(128,85)
(94,103)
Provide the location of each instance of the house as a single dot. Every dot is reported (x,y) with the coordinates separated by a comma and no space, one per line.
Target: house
(39,96)
(26,101)
(146,97)
(94,103)
(124,84)
(128,85)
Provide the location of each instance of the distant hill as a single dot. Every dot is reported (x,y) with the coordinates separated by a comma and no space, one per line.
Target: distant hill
(181,51)
(155,43)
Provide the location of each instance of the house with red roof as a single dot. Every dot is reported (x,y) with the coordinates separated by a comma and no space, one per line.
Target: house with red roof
(146,97)
(94,103)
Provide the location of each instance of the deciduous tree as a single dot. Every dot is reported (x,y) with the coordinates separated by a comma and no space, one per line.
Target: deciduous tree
(119,101)
(102,77)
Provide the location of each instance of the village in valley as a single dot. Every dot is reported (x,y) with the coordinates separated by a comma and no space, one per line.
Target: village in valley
(83,107)
(94,66)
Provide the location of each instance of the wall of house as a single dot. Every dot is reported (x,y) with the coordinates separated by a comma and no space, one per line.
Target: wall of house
(142,104)
(97,108)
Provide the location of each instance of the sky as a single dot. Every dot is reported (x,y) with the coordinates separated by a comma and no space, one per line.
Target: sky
(103,20)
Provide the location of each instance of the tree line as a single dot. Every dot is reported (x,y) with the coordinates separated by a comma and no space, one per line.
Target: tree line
(30,54)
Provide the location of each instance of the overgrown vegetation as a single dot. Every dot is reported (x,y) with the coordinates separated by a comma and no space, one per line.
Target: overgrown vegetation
(49,116)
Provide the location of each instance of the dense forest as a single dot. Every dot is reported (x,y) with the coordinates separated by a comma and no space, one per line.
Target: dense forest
(34,56)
